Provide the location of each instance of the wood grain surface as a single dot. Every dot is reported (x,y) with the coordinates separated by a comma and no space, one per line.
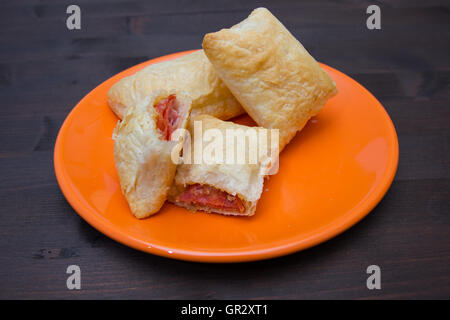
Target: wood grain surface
(45,69)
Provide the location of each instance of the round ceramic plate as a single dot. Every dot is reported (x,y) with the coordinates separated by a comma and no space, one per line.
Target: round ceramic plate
(331,175)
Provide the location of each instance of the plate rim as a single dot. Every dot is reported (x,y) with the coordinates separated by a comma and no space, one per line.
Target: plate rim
(98,222)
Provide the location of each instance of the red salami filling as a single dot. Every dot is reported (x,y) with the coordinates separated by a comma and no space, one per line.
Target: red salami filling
(169,116)
(211,197)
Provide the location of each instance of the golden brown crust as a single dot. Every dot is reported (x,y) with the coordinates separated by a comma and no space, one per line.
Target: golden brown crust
(192,73)
(271,74)
(194,208)
(142,159)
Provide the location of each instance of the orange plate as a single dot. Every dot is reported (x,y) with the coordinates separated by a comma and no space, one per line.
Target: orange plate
(331,175)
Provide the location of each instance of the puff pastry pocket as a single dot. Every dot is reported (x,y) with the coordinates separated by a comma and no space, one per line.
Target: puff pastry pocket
(143,152)
(271,74)
(225,188)
(192,73)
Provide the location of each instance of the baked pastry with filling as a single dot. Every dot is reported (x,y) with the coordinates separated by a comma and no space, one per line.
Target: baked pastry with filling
(191,73)
(225,187)
(271,74)
(145,157)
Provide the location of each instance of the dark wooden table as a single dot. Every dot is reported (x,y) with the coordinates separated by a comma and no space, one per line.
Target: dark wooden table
(45,69)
